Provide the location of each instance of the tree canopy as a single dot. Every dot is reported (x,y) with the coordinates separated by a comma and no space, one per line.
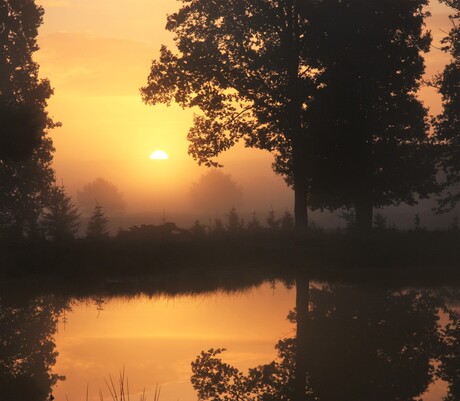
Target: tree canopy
(103,192)
(329,87)
(216,192)
(447,124)
(374,149)
(25,148)
(241,64)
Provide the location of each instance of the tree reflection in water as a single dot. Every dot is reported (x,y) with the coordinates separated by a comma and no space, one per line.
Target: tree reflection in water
(450,357)
(362,344)
(27,349)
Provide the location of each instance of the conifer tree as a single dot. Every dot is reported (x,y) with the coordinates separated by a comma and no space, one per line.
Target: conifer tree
(233,222)
(60,221)
(97,224)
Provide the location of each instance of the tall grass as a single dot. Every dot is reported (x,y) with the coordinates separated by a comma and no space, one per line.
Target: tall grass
(121,392)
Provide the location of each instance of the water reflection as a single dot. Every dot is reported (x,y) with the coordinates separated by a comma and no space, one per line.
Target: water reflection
(27,348)
(450,356)
(360,343)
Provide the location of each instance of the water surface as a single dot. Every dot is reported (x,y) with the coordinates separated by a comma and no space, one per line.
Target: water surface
(362,342)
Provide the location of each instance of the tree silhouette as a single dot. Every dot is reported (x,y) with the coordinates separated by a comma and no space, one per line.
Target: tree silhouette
(216,191)
(447,125)
(272,222)
(233,222)
(374,149)
(450,357)
(25,148)
(218,381)
(254,224)
(28,353)
(97,224)
(242,64)
(24,190)
(104,193)
(60,221)
(198,229)
(373,344)
(287,221)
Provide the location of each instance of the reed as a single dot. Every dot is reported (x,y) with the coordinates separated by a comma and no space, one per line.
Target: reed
(121,392)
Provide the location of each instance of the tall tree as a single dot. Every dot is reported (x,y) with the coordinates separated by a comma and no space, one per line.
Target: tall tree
(241,64)
(25,148)
(60,220)
(447,124)
(374,148)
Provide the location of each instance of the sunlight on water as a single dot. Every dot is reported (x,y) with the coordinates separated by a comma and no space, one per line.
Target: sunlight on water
(155,340)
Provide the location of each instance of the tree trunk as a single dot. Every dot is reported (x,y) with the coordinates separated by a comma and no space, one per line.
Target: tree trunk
(294,112)
(364,201)
(300,195)
(301,304)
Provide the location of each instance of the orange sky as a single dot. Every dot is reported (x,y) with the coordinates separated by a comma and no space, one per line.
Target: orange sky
(97,56)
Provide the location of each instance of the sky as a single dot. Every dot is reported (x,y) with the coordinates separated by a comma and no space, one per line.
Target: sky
(97,55)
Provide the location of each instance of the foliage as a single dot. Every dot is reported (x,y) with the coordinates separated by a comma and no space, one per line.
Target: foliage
(25,148)
(450,358)
(287,221)
(103,192)
(272,222)
(218,227)
(374,149)
(198,229)
(60,221)
(233,222)
(27,354)
(447,124)
(216,191)
(241,64)
(349,216)
(385,348)
(327,86)
(215,380)
(253,224)
(380,222)
(371,343)
(24,191)
(97,224)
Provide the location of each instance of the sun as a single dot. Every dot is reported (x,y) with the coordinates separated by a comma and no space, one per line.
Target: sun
(159,155)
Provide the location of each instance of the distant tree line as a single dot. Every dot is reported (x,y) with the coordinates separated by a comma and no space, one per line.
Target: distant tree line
(329,87)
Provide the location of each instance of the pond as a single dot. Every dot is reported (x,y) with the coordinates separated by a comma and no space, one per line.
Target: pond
(155,339)
(364,342)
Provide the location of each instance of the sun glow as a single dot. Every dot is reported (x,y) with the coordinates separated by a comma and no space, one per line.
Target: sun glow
(159,155)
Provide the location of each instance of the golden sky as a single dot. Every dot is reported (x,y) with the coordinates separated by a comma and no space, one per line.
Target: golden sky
(97,54)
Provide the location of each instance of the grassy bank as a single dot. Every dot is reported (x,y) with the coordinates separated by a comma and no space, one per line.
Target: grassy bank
(424,256)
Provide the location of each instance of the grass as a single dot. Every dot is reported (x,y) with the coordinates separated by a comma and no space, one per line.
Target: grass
(121,392)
